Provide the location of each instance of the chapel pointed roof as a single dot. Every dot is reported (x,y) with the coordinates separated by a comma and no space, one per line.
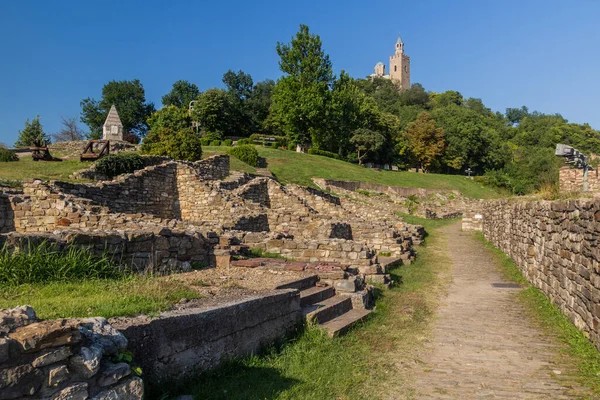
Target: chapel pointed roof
(399,41)
(113,117)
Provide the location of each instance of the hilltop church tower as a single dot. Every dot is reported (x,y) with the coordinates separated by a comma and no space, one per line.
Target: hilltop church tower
(400,66)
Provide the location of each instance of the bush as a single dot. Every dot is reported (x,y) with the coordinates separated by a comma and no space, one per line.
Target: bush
(181,145)
(324,153)
(121,163)
(212,135)
(45,263)
(227,142)
(245,153)
(131,138)
(244,141)
(205,141)
(215,143)
(7,155)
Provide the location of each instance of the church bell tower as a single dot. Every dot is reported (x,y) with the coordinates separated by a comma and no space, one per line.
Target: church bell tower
(400,66)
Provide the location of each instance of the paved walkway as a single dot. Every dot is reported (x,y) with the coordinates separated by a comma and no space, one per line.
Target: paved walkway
(483,344)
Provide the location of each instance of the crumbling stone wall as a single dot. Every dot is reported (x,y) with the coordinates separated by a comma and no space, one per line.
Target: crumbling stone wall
(162,251)
(7,216)
(555,244)
(571,180)
(182,342)
(62,359)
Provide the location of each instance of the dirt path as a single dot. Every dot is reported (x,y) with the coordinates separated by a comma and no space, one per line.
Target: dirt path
(483,344)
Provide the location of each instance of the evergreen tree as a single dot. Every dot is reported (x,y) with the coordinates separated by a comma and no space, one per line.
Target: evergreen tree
(33,130)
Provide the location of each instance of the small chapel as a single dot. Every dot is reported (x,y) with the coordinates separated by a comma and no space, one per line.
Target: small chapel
(399,67)
(113,127)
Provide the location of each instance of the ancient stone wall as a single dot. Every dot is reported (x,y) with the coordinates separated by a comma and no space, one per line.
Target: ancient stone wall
(160,252)
(571,180)
(62,359)
(555,244)
(328,184)
(185,341)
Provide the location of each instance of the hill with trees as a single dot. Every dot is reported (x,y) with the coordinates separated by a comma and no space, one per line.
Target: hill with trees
(357,120)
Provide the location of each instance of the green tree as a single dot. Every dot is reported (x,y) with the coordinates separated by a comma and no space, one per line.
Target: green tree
(33,130)
(426,141)
(182,93)
(260,103)
(130,100)
(171,117)
(365,142)
(301,96)
(212,111)
(239,89)
(183,144)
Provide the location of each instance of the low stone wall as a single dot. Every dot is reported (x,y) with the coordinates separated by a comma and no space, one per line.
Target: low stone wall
(159,252)
(556,247)
(571,180)
(472,221)
(182,342)
(353,186)
(62,359)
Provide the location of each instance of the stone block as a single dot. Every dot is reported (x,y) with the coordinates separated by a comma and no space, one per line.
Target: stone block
(112,373)
(87,362)
(19,381)
(42,335)
(75,391)
(52,356)
(58,375)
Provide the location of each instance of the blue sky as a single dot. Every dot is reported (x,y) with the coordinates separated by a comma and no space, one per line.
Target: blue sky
(541,53)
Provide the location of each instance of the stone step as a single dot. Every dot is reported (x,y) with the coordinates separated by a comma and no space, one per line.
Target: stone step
(389,262)
(340,325)
(300,284)
(328,309)
(315,294)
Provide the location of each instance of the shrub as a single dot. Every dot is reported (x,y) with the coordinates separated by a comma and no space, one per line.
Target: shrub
(244,141)
(181,145)
(45,263)
(324,153)
(215,143)
(245,153)
(205,141)
(131,138)
(212,135)
(121,163)
(7,155)
(227,142)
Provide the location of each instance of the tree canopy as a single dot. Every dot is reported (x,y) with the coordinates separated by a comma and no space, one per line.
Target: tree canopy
(32,131)
(129,98)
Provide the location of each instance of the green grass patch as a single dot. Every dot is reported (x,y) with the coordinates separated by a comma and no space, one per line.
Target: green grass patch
(26,168)
(76,283)
(97,297)
(361,364)
(576,346)
(429,224)
(291,167)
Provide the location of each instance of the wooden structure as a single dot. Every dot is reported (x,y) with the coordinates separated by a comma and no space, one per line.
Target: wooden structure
(89,154)
(40,151)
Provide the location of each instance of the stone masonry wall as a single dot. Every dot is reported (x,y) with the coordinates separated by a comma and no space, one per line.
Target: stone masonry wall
(62,359)
(181,342)
(571,180)
(159,252)
(556,247)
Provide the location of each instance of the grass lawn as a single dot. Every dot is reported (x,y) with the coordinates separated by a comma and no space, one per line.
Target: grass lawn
(26,168)
(96,297)
(292,167)
(287,166)
(365,363)
(576,346)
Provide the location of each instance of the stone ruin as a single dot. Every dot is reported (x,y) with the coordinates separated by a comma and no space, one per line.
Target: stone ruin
(63,359)
(172,216)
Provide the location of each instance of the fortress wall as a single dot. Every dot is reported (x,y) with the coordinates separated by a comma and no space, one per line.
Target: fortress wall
(571,180)
(556,245)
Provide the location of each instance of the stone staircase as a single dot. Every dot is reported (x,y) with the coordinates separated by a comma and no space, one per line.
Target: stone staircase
(324,306)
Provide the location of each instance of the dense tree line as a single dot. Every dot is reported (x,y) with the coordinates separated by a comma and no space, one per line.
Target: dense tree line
(360,120)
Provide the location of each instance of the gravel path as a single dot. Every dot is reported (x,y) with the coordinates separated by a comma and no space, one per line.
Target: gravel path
(484,345)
